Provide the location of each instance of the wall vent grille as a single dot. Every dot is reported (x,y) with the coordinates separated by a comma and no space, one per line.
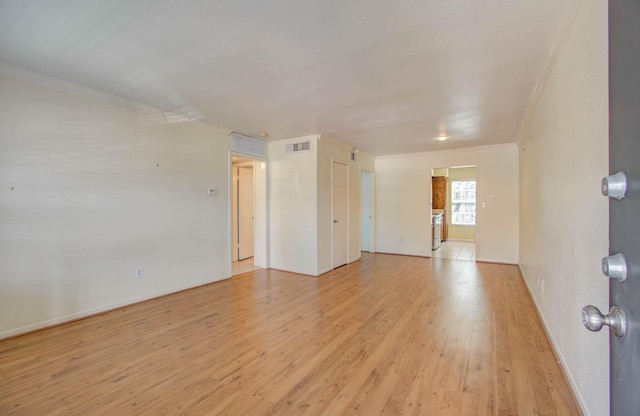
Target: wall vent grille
(298,147)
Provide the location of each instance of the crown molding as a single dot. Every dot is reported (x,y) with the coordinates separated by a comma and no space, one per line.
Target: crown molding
(490,147)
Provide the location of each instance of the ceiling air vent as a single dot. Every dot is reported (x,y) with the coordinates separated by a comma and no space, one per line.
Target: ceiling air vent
(298,147)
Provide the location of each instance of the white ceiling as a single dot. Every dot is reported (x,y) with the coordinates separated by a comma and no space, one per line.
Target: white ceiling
(383,76)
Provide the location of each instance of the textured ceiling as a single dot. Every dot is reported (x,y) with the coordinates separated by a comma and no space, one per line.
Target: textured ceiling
(386,77)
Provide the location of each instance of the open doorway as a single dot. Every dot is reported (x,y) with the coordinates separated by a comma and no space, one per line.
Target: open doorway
(248,214)
(453,212)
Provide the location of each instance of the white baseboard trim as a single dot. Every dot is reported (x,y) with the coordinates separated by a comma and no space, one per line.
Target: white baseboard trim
(96,311)
(554,345)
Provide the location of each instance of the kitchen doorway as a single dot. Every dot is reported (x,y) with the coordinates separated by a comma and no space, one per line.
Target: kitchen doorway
(453,213)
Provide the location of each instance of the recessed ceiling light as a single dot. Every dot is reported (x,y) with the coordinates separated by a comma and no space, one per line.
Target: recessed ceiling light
(263,134)
(442,137)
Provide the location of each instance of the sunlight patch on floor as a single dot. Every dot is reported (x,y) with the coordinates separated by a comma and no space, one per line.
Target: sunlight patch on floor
(456,250)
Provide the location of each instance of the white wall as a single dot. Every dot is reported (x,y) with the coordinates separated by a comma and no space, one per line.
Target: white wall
(403,195)
(564,219)
(91,190)
(300,204)
(366,211)
(293,207)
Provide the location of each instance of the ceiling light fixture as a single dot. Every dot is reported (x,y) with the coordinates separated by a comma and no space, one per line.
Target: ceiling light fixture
(442,138)
(263,134)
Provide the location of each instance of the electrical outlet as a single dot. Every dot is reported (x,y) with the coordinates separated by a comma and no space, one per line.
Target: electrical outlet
(139,272)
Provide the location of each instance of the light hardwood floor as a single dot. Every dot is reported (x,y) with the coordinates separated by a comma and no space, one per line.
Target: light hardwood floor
(385,335)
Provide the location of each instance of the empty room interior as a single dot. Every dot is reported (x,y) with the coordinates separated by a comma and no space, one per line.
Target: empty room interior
(227,208)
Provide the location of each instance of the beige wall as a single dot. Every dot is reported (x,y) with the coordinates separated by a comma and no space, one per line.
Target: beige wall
(403,195)
(293,206)
(94,188)
(441,172)
(100,187)
(563,217)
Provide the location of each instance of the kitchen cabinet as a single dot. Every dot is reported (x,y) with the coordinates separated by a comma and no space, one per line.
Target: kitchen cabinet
(439,192)
(439,200)
(445,233)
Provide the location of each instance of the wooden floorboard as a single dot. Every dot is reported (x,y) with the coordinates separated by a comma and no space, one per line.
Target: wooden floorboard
(385,335)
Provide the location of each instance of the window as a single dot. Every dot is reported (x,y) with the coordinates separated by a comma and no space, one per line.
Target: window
(463,202)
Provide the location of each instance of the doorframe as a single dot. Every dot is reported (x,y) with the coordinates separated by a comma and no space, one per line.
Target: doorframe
(234,213)
(372,230)
(261,248)
(348,210)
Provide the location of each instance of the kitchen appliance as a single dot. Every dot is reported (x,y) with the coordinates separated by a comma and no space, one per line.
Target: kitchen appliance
(436,221)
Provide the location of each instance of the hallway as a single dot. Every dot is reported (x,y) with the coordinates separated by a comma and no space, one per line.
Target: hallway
(243,266)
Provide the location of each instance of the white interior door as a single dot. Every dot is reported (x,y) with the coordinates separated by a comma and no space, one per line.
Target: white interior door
(366,211)
(340,210)
(245,212)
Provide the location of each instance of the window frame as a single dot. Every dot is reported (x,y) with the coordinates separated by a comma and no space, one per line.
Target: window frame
(474,202)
